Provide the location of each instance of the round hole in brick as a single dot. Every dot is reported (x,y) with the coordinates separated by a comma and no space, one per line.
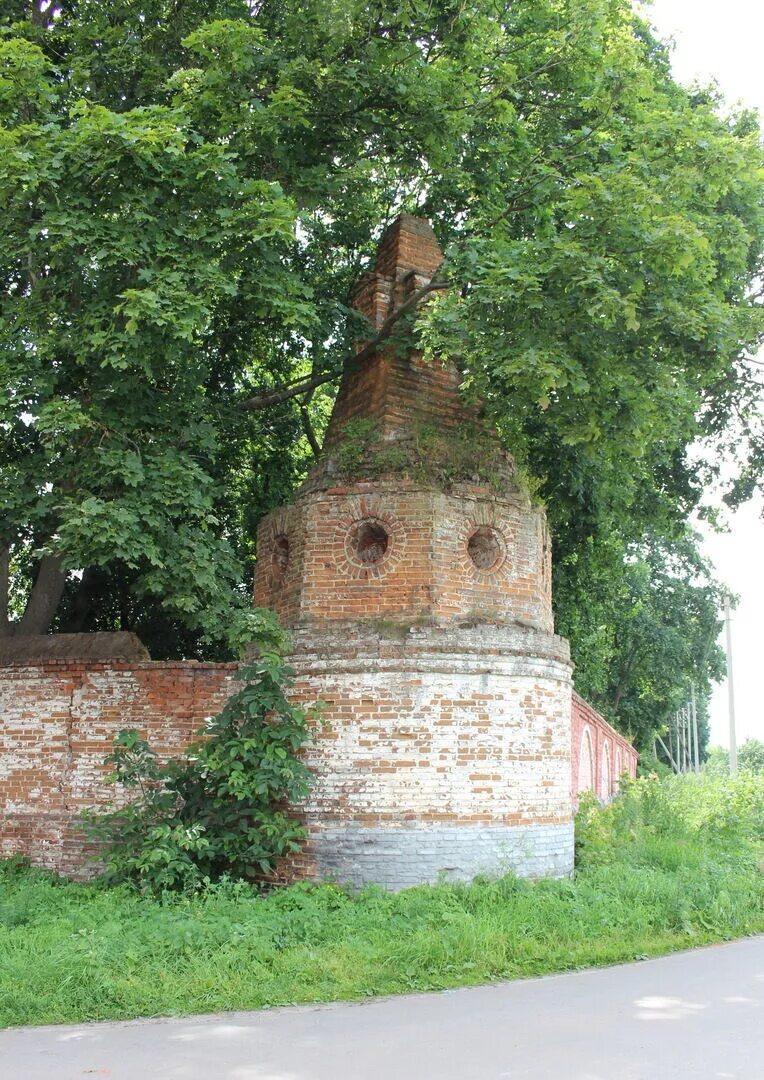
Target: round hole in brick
(371,540)
(484,548)
(280,555)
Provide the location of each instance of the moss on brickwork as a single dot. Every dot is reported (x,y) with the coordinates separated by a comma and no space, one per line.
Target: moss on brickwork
(399,629)
(437,459)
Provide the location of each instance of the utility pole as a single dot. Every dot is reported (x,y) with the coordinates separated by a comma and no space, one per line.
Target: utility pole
(694,708)
(685,735)
(668,752)
(730,688)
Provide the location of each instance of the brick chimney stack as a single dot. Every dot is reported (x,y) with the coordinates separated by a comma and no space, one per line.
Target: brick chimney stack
(399,391)
(408,257)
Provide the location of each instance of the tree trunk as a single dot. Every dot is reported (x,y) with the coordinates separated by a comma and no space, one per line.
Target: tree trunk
(81,607)
(44,598)
(5,559)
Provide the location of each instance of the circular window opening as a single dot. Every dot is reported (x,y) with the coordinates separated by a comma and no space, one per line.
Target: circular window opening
(371,541)
(280,555)
(484,548)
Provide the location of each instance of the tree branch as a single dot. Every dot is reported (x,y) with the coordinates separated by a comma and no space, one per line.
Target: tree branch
(307,427)
(312,382)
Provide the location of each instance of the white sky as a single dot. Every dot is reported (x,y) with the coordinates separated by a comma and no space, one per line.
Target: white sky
(725,43)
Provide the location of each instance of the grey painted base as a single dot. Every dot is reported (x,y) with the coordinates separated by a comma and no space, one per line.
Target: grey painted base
(397,857)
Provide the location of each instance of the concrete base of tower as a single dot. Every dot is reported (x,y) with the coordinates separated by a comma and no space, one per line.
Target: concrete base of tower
(442,751)
(398,857)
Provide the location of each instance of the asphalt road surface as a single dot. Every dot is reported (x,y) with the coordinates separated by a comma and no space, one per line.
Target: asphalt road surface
(695,1014)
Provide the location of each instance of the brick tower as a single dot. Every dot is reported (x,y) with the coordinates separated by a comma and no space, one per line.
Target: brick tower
(414,575)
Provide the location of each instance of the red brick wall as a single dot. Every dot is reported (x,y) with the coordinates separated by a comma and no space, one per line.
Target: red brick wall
(589,729)
(398,390)
(58,721)
(426,570)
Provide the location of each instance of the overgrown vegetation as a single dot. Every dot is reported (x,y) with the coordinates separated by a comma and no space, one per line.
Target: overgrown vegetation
(430,456)
(222,809)
(669,865)
(189,192)
(750,759)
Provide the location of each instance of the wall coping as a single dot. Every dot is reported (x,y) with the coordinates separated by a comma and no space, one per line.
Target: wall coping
(86,664)
(589,711)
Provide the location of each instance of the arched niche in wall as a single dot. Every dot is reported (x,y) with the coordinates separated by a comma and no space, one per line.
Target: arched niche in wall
(586,763)
(618,770)
(605,791)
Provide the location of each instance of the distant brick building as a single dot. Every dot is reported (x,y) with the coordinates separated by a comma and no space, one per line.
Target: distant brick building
(415,576)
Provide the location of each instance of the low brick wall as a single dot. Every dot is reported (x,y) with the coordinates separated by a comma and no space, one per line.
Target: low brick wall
(599,755)
(58,720)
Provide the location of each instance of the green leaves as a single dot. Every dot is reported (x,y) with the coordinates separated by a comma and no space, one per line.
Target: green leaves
(25,85)
(643,623)
(189,194)
(220,812)
(127,233)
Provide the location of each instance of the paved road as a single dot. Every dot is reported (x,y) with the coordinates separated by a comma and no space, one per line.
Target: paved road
(698,1014)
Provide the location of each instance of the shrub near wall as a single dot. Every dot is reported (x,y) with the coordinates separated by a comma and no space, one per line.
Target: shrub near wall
(59,723)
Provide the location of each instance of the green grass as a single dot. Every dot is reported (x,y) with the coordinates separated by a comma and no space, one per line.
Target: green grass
(672,864)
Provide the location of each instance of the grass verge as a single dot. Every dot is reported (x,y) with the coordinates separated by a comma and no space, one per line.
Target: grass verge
(671,864)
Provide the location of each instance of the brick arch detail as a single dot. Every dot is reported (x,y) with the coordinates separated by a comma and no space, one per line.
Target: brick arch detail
(605,771)
(279,523)
(586,762)
(506,533)
(373,510)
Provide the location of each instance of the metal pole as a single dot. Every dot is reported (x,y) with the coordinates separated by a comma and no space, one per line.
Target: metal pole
(694,707)
(678,733)
(669,754)
(730,688)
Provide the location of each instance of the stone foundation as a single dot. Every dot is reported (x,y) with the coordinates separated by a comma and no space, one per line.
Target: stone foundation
(398,857)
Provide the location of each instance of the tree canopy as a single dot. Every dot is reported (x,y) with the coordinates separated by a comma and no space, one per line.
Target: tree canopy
(189,191)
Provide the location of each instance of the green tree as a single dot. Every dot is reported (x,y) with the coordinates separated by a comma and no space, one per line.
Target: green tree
(717,761)
(750,759)
(643,623)
(751,756)
(190,191)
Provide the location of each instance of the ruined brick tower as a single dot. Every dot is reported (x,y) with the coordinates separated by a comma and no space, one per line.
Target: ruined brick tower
(414,575)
